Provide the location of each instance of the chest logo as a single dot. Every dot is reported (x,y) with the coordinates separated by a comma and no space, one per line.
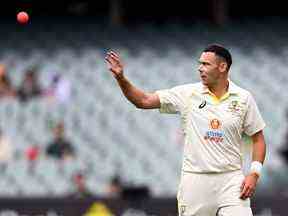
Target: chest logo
(215,124)
(215,135)
(234,106)
(203,104)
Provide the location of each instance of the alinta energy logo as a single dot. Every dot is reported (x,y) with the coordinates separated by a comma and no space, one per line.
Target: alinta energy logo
(215,134)
(215,124)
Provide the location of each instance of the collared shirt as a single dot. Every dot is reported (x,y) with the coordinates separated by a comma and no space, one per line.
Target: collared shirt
(213,127)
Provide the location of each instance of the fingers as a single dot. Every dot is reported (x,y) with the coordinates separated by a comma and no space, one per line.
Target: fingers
(242,185)
(115,64)
(251,192)
(246,192)
(114,56)
(109,60)
(243,192)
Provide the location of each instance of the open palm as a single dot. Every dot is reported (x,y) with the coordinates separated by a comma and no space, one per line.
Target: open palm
(115,64)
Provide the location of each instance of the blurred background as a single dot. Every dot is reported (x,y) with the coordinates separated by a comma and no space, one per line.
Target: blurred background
(71,144)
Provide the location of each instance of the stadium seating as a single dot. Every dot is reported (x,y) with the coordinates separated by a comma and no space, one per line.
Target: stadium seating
(110,135)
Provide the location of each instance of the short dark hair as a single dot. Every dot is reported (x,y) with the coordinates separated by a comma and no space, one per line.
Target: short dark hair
(221,52)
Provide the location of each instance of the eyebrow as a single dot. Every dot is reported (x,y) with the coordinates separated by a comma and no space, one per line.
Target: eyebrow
(205,62)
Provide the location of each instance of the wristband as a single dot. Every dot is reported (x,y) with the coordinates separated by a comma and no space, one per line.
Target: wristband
(256,167)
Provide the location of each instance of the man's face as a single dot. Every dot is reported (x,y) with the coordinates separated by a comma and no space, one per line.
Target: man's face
(209,68)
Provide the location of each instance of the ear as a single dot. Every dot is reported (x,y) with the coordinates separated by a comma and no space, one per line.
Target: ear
(223,67)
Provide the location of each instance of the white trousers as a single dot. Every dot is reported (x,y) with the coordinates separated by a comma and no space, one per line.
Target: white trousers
(212,194)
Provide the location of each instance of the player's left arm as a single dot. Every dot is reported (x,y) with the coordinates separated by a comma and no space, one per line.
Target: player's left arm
(259,147)
(258,156)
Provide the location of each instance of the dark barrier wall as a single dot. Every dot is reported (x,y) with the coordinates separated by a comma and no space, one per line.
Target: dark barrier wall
(264,206)
(78,207)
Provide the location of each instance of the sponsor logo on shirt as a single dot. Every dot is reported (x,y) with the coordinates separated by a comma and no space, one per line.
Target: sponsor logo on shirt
(215,133)
(234,106)
(203,104)
(215,124)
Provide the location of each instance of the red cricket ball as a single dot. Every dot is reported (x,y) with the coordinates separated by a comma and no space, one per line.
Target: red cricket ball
(22,17)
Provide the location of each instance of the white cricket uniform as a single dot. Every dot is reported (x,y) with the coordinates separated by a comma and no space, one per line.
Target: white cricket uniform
(213,131)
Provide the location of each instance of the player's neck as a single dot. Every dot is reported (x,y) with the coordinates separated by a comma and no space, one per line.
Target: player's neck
(220,88)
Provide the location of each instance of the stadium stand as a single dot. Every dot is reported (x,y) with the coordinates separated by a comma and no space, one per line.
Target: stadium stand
(110,135)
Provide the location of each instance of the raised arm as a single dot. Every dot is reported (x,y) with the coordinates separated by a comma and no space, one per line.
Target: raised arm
(136,96)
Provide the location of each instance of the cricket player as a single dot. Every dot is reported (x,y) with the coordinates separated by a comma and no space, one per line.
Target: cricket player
(214,114)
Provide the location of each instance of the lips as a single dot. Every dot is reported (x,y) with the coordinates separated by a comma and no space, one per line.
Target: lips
(203,77)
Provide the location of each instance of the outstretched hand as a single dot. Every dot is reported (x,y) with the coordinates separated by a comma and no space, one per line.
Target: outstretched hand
(115,64)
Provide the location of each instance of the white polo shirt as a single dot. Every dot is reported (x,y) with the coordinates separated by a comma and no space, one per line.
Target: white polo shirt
(212,127)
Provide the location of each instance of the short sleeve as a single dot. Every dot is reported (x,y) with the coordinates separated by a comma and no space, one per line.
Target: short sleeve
(172,100)
(253,121)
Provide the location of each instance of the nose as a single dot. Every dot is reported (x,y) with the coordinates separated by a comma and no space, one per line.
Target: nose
(200,68)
